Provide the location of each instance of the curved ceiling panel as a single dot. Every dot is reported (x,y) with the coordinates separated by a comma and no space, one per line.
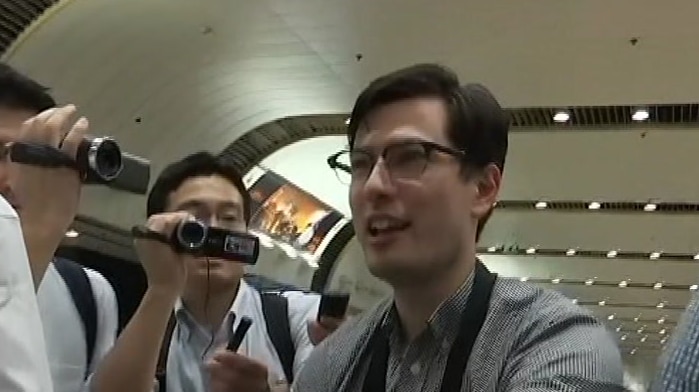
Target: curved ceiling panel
(170,77)
(16,16)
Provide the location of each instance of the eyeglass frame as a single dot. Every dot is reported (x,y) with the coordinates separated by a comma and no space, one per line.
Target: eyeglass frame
(428,146)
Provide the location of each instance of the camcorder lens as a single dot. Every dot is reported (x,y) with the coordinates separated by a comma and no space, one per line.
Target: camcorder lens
(191,235)
(108,159)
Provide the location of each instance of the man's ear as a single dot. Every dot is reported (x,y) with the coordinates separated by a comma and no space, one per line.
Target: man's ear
(488,187)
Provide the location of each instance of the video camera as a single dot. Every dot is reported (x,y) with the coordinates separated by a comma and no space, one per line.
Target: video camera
(198,239)
(99,161)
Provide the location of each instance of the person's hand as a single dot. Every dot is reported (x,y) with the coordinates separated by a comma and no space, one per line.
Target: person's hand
(48,197)
(319,330)
(165,269)
(234,372)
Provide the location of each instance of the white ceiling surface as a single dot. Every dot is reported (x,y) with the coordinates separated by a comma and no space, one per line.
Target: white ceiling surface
(263,60)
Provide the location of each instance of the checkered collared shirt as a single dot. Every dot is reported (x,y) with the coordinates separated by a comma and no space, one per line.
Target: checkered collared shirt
(532,340)
(680,370)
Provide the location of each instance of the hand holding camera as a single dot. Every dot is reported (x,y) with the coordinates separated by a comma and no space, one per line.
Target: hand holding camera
(48,199)
(168,236)
(196,238)
(164,267)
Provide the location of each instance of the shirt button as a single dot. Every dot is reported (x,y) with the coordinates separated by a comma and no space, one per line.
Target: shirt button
(415,368)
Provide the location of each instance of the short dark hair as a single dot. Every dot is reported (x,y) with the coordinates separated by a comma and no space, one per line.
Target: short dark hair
(18,91)
(477,123)
(198,164)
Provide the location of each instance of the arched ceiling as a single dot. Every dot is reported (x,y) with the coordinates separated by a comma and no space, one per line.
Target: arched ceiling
(198,75)
(168,77)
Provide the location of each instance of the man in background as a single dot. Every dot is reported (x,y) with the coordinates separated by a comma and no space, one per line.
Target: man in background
(209,297)
(47,201)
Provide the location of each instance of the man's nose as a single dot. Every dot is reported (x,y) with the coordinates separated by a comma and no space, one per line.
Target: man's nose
(379,181)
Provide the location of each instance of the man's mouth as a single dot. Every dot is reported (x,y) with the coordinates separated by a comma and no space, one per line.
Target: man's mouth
(381,225)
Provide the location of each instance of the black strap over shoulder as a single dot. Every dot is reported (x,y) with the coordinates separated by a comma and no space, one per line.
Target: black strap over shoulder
(83,297)
(161,368)
(472,320)
(275,308)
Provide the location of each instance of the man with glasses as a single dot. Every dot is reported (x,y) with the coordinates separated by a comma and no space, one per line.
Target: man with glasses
(425,164)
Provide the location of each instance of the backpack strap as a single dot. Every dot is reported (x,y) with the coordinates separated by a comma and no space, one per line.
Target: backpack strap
(275,308)
(164,351)
(83,297)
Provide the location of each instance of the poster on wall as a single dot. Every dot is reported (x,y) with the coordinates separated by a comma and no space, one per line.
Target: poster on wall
(287,213)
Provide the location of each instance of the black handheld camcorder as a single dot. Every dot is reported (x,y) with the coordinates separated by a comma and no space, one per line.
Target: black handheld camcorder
(196,238)
(99,161)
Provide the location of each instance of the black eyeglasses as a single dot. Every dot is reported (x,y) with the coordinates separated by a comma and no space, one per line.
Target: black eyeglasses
(405,160)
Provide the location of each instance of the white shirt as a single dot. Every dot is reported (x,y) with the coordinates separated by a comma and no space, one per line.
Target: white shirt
(190,345)
(64,332)
(23,363)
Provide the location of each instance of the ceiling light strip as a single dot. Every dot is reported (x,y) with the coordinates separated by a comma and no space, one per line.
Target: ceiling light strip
(649,206)
(518,250)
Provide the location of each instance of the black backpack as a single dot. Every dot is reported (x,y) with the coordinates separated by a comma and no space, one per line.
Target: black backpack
(83,297)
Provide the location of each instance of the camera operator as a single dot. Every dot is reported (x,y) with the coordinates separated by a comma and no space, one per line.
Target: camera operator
(23,363)
(46,200)
(209,298)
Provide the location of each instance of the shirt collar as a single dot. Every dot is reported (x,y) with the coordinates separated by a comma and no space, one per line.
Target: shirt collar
(184,317)
(443,324)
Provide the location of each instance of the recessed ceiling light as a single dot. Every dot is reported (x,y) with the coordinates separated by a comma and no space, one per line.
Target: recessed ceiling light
(650,207)
(635,319)
(347,120)
(632,352)
(655,256)
(663,340)
(540,205)
(696,256)
(531,251)
(561,116)
(662,331)
(556,281)
(623,337)
(661,320)
(492,249)
(612,253)
(595,205)
(602,303)
(589,282)
(570,252)
(657,286)
(640,330)
(72,233)
(623,284)
(523,279)
(618,329)
(693,287)
(575,301)
(643,339)
(610,317)
(660,305)
(641,114)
